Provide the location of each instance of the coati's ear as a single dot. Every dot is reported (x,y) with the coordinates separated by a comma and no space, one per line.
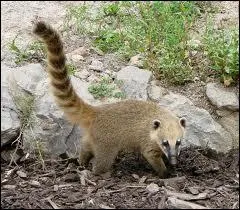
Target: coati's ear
(156,124)
(183,121)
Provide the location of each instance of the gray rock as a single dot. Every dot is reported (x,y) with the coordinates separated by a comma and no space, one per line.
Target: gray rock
(230,122)
(156,92)
(136,60)
(50,129)
(10,123)
(83,74)
(222,98)
(27,77)
(96,66)
(134,82)
(201,129)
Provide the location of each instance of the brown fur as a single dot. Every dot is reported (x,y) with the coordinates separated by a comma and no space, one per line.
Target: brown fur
(110,128)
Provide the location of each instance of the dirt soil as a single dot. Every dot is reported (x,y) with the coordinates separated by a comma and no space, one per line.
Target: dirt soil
(60,185)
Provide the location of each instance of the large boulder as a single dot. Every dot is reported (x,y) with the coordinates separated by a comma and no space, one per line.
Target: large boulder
(134,82)
(201,128)
(48,131)
(230,121)
(10,123)
(221,97)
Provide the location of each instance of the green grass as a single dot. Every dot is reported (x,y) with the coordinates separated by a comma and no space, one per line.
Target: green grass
(105,88)
(24,104)
(222,49)
(71,68)
(157,29)
(34,51)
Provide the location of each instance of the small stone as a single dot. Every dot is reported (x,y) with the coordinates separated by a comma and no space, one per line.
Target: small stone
(82,74)
(156,92)
(96,65)
(9,187)
(77,58)
(193,190)
(152,188)
(34,183)
(135,176)
(136,60)
(21,174)
(83,51)
(93,78)
(221,97)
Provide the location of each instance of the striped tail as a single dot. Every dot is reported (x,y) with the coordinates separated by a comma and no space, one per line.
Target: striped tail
(75,109)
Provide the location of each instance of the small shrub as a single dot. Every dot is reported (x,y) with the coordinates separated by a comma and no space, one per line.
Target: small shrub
(105,88)
(222,49)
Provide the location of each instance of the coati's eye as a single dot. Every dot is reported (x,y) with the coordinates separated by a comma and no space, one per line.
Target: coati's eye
(165,143)
(178,142)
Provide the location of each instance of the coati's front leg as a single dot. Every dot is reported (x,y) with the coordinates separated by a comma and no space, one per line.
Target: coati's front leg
(154,157)
(103,159)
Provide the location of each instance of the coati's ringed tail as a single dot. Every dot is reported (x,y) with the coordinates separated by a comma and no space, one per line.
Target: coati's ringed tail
(75,109)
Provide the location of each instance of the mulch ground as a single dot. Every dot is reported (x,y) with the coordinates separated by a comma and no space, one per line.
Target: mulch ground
(64,185)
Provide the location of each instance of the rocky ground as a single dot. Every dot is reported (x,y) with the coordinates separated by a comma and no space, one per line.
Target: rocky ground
(41,180)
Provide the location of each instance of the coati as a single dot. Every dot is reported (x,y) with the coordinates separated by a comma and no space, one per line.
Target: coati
(111,128)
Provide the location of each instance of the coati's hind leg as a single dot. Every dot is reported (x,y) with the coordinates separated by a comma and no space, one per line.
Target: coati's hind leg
(85,151)
(154,157)
(103,160)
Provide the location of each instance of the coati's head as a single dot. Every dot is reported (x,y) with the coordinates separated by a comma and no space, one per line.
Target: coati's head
(168,134)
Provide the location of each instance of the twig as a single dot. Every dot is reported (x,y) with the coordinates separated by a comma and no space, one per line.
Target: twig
(232,186)
(52,203)
(234,205)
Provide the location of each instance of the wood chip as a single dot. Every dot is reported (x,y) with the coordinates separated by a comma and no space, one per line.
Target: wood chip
(135,176)
(173,202)
(193,190)
(142,180)
(21,174)
(52,203)
(8,186)
(34,183)
(187,197)
(102,206)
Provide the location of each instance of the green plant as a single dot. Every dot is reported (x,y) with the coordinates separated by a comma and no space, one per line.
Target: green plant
(105,88)
(33,51)
(222,49)
(24,104)
(71,68)
(159,30)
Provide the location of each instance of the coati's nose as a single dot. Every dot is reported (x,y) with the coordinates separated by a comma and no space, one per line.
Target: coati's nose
(173,161)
